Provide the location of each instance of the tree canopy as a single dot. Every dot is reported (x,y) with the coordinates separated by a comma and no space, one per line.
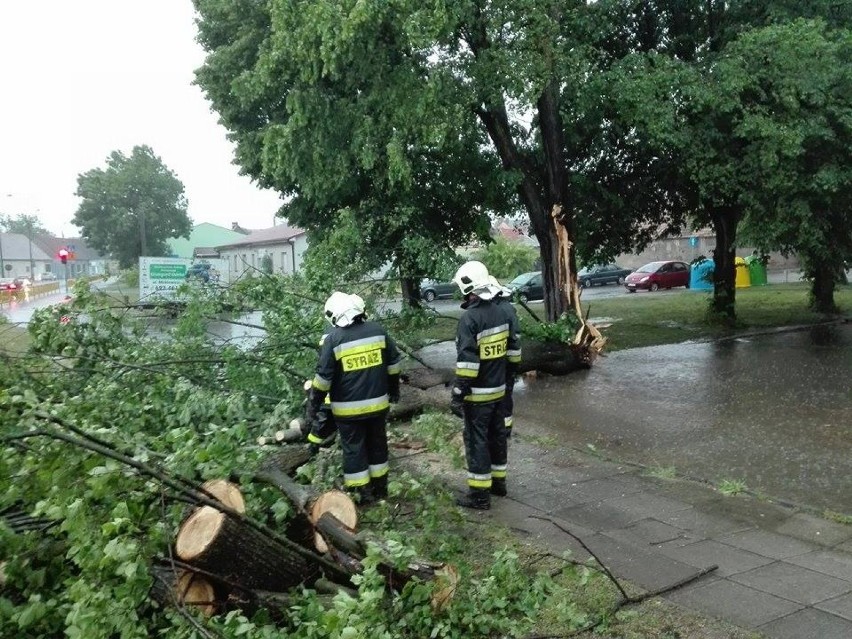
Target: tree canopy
(132,206)
(22,223)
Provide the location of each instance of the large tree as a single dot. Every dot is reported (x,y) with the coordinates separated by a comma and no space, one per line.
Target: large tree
(445,110)
(22,223)
(801,122)
(132,206)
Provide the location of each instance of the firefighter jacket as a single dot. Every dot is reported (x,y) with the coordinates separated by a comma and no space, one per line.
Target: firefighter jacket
(486,340)
(359,368)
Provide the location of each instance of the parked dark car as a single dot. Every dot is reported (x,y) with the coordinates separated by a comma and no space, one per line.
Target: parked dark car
(657,275)
(602,274)
(430,290)
(528,286)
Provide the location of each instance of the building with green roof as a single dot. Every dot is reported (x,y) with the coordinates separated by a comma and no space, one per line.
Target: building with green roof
(203,236)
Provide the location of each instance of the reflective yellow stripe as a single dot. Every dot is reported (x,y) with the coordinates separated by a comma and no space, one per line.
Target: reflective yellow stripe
(466,372)
(515,359)
(496,337)
(378,470)
(320,383)
(356,479)
(314,439)
(394,369)
(490,397)
(508,421)
(374,344)
(340,409)
(479,483)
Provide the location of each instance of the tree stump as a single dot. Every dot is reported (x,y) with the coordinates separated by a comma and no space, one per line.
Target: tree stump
(183,588)
(224,545)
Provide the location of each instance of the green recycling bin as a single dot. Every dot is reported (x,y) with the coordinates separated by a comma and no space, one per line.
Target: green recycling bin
(756,270)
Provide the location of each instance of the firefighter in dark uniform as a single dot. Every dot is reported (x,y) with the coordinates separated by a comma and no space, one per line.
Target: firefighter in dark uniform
(503,299)
(359,369)
(320,427)
(483,342)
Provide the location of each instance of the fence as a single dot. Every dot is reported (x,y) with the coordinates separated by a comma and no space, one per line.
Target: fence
(27,293)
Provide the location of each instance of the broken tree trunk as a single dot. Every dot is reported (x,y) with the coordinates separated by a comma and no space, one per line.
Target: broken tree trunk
(225,492)
(312,504)
(223,545)
(287,459)
(353,547)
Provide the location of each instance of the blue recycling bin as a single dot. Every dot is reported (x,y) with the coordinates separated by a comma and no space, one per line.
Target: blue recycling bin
(701,276)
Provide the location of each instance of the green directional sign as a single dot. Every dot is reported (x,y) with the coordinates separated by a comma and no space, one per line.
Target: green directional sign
(168,271)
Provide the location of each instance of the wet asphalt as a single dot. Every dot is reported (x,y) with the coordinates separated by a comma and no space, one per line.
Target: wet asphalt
(773,411)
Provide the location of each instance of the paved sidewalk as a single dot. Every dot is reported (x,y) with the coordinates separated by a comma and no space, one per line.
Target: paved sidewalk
(781,572)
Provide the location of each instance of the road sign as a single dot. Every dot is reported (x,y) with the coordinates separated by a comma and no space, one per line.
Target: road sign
(161,277)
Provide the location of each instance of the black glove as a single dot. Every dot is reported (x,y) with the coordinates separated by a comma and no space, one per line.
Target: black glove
(457,404)
(313,449)
(393,389)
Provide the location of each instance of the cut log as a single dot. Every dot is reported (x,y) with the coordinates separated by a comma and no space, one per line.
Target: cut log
(287,459)
(311,503)
(223,545)
(184,588)
(226,492)
(289,436)
(351,547)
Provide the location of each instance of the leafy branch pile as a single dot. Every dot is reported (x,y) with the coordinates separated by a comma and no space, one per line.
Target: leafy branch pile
(174,395)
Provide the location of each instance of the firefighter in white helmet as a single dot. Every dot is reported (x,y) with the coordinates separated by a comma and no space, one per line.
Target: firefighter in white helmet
(359,368)
(503,299)
(483,342)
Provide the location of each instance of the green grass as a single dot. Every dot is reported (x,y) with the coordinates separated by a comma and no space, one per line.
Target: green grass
(648,320)
(732,487)
(13,339)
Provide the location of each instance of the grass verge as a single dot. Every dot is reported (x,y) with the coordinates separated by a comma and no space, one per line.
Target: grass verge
(675,316)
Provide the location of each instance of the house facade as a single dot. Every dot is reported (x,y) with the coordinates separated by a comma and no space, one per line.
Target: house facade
(203,240)
(20,257)
(283,247)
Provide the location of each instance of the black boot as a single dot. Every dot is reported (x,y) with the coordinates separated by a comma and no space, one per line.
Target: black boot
(365,495)
(498,487)
(476,498)
(380,487)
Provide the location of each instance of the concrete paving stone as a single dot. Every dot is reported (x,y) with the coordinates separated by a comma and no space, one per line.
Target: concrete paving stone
(815,529)
(598,516)
(767,543)
(704,554)
(643,505)
(652,572)
(841,606)
(748,510)
(569,461)
(828,562)
(549,501)
(701,524)
(614,551)
(808,624)
(793,582)
(690,492)
(734,602)
(594,490)
(846,546)
(652,534)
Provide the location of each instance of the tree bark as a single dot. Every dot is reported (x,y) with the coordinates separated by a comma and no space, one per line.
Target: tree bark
(725,222)
(312,504)
(354,546)
(223,545)
(823,283)
(410,291)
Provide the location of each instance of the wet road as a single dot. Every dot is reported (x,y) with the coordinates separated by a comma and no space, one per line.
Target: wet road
(774,411)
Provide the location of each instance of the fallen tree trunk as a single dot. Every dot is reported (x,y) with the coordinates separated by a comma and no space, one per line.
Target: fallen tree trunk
(553,358)
(312,504)
(352,547)
(287,459)
(223,545)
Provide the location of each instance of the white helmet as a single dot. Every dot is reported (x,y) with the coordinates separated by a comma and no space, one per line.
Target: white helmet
(471,276)
(498,288)
(342,309)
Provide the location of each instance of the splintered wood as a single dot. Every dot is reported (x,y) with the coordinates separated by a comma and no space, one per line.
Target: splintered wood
(588,342)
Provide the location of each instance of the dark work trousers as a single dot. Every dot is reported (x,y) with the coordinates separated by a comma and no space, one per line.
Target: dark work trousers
(484,443)
(365,449)
(507,407)
(324,428)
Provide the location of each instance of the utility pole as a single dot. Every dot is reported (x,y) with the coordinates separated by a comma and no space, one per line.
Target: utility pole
(32,264)
(2,263)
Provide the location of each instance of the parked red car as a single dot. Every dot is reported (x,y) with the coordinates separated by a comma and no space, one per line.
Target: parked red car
(657,275)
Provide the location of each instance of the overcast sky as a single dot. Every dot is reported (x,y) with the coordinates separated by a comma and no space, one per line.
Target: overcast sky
(82,78)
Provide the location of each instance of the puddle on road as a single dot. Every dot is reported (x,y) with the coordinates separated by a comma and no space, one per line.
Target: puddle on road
(774,411)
